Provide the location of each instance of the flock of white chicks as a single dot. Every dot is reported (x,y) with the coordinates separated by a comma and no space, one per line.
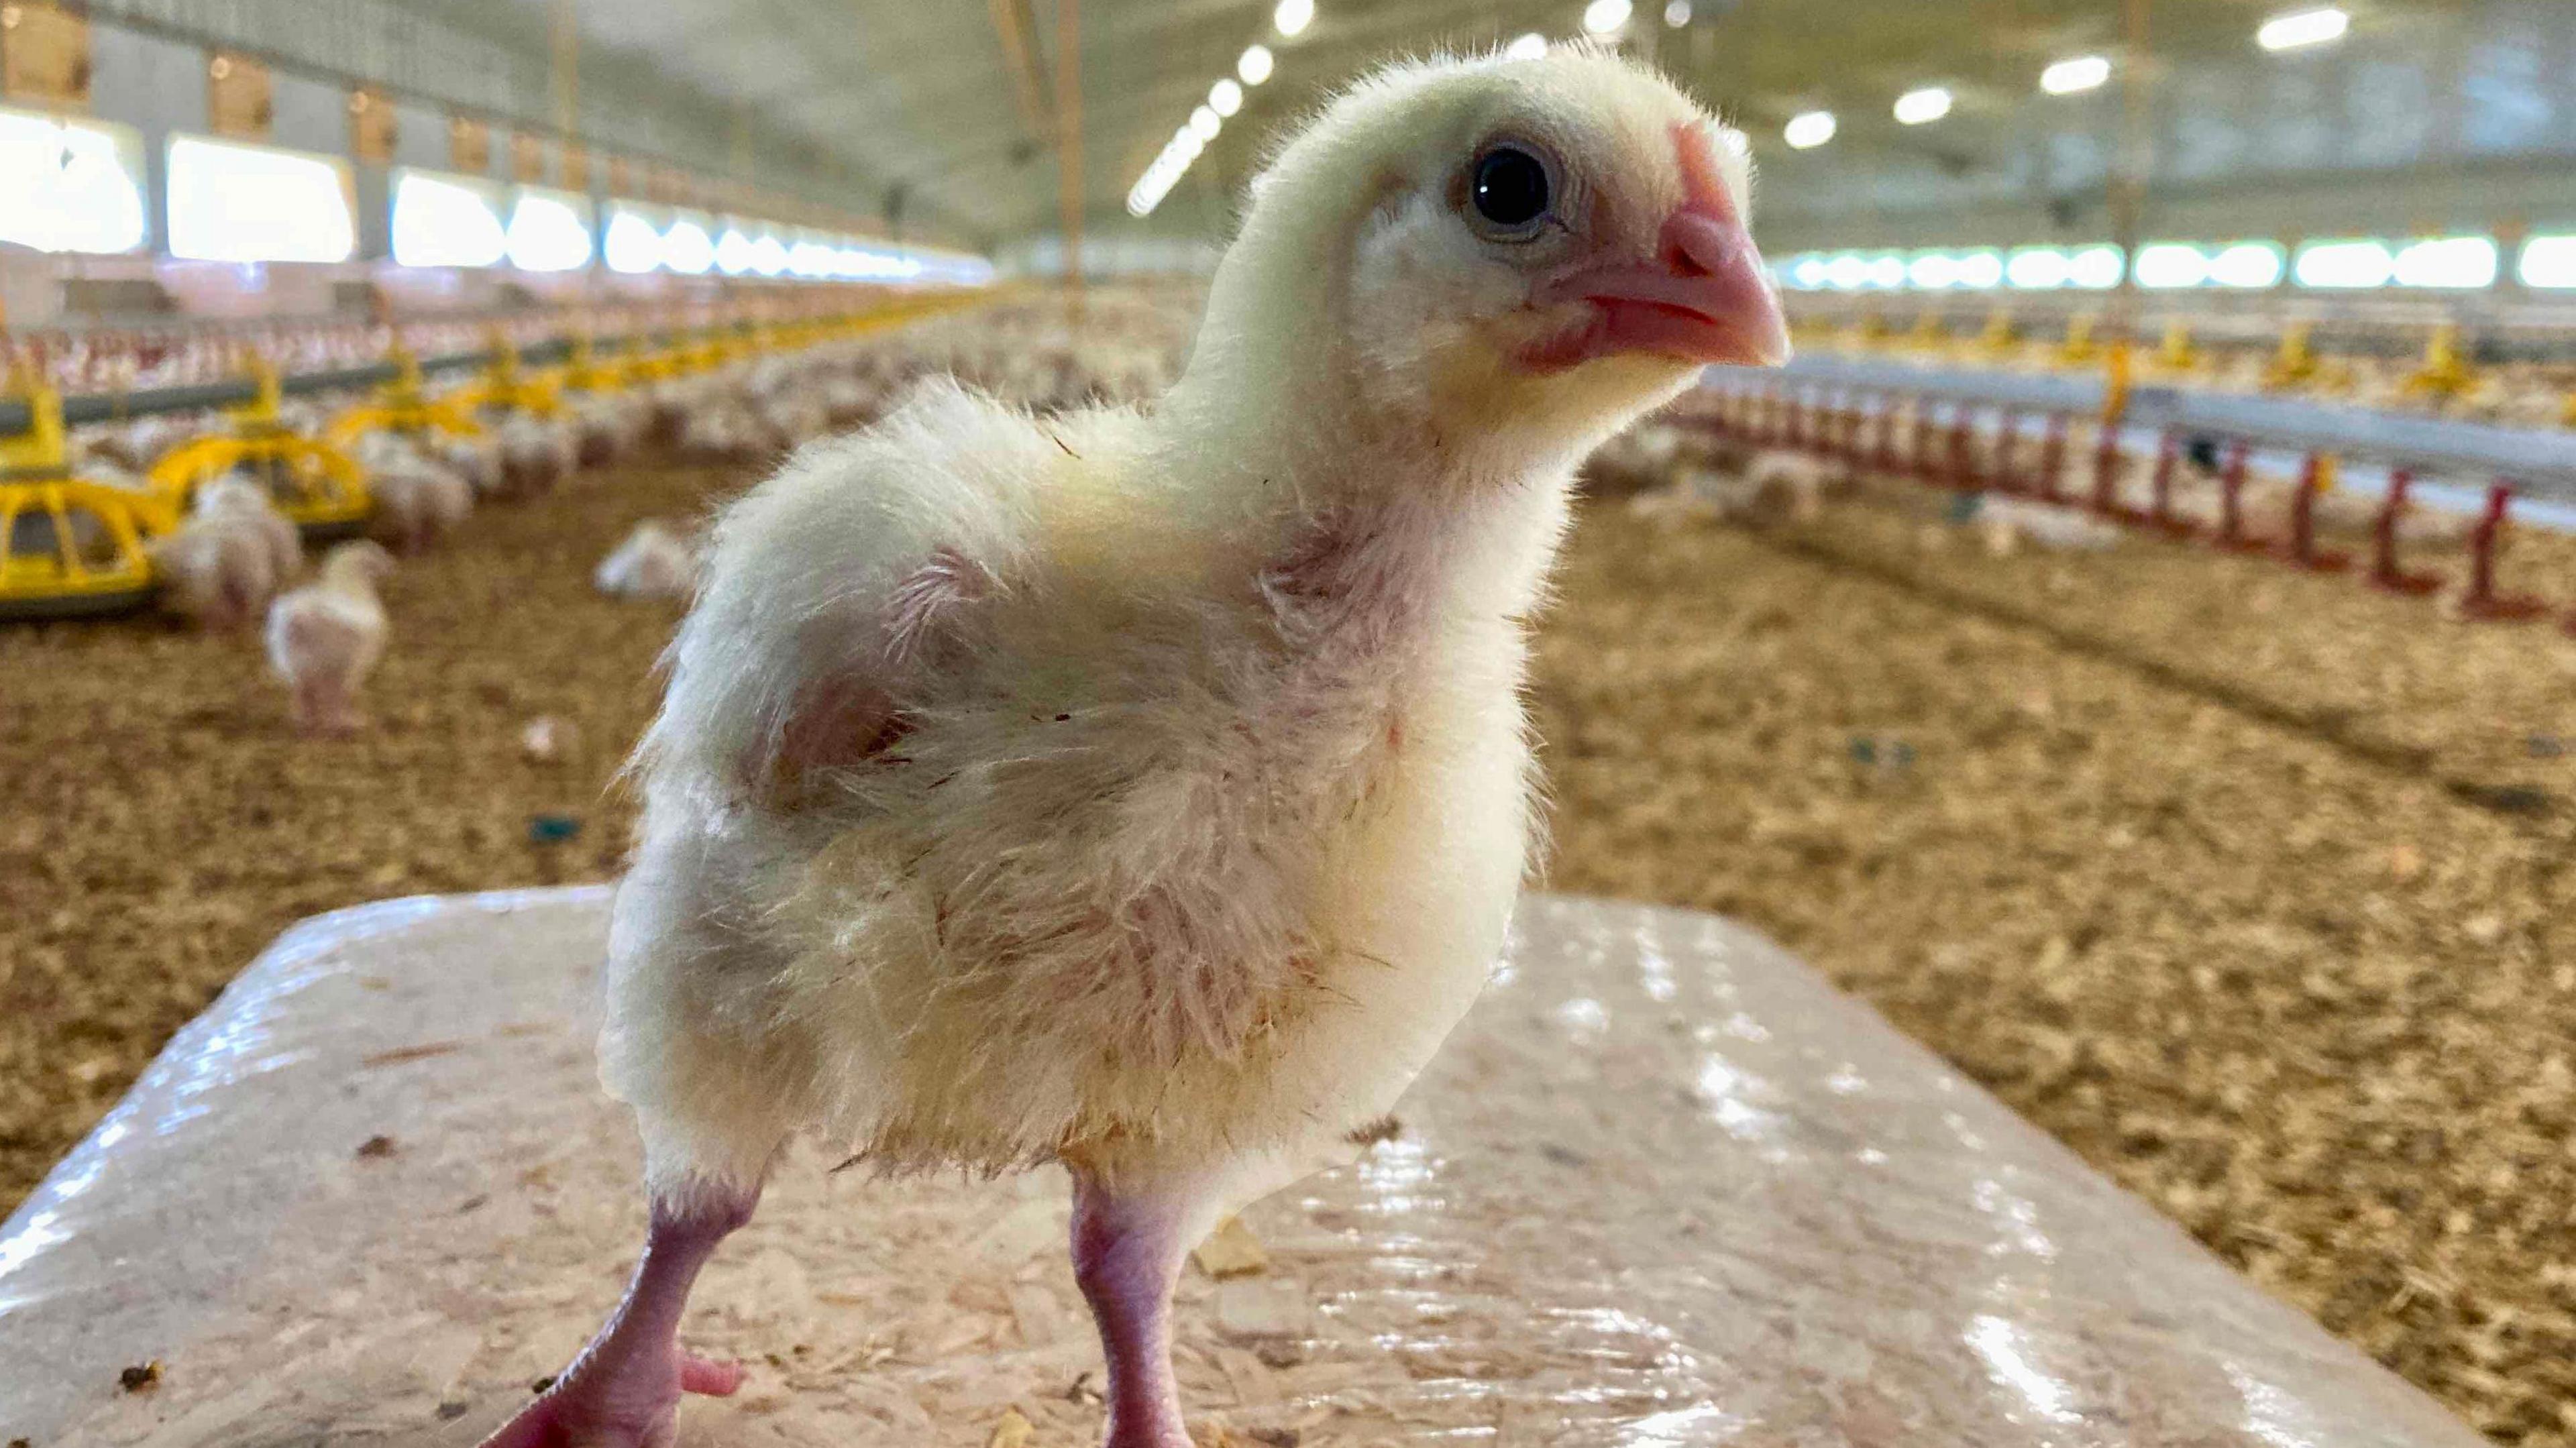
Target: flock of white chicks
(237,557)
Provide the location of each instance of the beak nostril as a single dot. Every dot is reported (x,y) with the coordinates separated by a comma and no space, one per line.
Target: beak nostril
(1695,245)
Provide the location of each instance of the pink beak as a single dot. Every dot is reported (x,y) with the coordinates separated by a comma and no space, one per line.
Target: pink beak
(1706,297)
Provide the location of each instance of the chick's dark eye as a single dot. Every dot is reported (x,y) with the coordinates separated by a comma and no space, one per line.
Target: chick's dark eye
(1510,187)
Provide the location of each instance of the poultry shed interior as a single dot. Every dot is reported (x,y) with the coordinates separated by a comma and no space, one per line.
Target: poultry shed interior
(1288,722)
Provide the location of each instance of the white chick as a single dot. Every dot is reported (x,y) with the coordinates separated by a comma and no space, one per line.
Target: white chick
(418,498)
(417,503)
(655,561)
(212,573)
(535,455)
(324,638)
(475,459)
(1148,792)
(609,426)
(238,501)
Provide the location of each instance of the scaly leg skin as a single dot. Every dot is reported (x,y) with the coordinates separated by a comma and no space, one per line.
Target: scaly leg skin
(1127,1252)
(624,1390)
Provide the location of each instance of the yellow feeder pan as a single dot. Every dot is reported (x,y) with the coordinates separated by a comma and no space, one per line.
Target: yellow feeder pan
(70,547)
(504,386)
(405,406)
(2079,349)
(2176,355)
(319,487)
(2445,372)
(2296,361)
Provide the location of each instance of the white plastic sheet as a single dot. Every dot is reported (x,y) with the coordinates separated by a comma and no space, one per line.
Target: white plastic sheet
(1664,1187)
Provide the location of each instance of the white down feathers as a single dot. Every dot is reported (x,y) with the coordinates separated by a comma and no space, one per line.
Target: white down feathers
(1023,790)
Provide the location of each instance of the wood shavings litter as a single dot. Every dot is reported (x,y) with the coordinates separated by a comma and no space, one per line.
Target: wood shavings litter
(1013,1431)
(1231,1251)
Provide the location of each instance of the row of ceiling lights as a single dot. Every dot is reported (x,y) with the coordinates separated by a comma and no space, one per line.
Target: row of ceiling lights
(1805,131)
(1224,98)
(2293,31)
(1290,19)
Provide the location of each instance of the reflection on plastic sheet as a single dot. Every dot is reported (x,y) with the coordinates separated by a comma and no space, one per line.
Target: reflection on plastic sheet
(2002,1345)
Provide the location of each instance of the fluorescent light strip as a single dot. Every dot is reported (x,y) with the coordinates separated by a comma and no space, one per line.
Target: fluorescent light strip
(2303,28)
(1924,106)
(2073,77)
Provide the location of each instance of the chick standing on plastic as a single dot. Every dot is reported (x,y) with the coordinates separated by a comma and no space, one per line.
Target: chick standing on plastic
(1146,792)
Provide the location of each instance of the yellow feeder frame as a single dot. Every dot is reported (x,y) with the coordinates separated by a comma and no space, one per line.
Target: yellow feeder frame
(69,546)
(2079,349)
(2175,354)
(2445,372)
(585,372)
(506,387)
(405,406)
(647,362)
(317,485)
(2295,362)
(1999,339)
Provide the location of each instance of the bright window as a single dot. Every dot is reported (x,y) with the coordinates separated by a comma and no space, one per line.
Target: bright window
(2249,265)
(1808,273)
(869,263)
(2037,269)
(2168,265)
(686,247)
(2549,262)
(231,202)
(2448,261)
(549,230)
(442,220)
(71,184)
(2344,265)
(813,258)
(768,254)
(1848,272)
(1887,273)
(2095,268)
(733,250)
(1981,271)
(1932,271)
(631,243)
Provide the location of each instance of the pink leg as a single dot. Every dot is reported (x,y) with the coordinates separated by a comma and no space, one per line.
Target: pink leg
(1126,1256)
(308,707)
(624,1390)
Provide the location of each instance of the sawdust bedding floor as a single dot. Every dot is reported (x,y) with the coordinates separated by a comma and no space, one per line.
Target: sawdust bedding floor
(2246,884)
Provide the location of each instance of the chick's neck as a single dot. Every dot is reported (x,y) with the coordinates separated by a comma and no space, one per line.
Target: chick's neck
(1337,493)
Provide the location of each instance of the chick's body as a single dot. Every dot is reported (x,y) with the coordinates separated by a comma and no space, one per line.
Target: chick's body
(1146,790)
(1171,821)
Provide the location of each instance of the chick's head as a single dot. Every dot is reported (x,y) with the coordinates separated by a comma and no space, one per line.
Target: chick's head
(1554,243)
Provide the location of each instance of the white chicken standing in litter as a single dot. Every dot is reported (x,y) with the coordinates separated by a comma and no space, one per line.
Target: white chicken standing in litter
(221,566)
(212,574)
(418,500)
(536,454)
(242,502)
(654,562)
(324,638)
(1148,792)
